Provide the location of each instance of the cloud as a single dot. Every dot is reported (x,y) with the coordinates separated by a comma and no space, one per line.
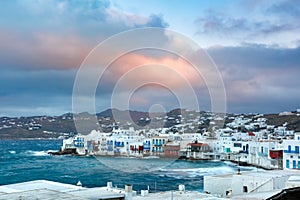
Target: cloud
(151,72)
(59,34)
(25,92)
(286,8)
(42,43)
(156,21)
(270,23)
(258,78)
(256,57)
(43,51)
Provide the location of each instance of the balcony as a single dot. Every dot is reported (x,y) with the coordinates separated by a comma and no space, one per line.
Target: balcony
(263,154)
(158,144)
(119,144)
(290,151)
(158,151)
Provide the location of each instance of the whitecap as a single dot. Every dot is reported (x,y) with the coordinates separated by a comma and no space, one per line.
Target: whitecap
(37,153)
(198,172)
(12,152)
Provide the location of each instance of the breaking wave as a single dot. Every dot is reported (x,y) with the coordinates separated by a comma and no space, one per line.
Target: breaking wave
(36,153)
(196,172)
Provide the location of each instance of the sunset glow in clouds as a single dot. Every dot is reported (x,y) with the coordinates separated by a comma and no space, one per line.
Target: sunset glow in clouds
(254,44)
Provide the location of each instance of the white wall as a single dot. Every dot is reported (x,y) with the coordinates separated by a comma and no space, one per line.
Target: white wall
(217,185)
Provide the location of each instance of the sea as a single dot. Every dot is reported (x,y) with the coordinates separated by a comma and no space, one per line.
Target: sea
(27,160)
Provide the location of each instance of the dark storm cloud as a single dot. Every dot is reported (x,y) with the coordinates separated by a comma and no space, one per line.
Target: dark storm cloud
(256,56)
(25,92)
(259,78)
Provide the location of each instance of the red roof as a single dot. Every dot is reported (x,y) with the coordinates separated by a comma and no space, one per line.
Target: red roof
(197,144)
(251,134)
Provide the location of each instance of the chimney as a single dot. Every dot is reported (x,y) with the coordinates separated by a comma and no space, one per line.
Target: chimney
(181,187)
(128,192)
(109,185)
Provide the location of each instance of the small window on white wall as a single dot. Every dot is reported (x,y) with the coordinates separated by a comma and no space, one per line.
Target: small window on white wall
(245,189)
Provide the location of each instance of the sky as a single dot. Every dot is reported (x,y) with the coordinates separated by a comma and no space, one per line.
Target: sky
(255,45)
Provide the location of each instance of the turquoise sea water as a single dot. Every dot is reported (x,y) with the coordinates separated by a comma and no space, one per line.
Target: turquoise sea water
(26,160)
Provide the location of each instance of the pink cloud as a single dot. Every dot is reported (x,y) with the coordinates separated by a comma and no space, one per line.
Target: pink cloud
(164,69)
(43,50)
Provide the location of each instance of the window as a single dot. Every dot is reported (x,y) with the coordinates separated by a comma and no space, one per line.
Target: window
(291,156)
(245,189)
(238,145)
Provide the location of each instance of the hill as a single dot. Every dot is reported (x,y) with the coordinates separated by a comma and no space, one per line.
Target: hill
(63,126)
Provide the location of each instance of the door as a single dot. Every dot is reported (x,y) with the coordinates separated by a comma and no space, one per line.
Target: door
(287,165)
(297,149)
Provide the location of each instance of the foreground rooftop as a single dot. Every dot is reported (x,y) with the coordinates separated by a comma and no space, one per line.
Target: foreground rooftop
(50,190)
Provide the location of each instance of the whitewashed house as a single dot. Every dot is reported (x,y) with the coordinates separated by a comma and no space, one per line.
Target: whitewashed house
(261,154)
(291,154)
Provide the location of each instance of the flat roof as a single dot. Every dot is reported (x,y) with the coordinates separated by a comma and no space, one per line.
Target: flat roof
(38,184)
(255,195)
(43,189)
(98,192)
(182,195)
(262,173)
(44,194)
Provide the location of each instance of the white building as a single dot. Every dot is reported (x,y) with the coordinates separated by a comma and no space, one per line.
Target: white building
(260,154)
(231,185)
(291,154)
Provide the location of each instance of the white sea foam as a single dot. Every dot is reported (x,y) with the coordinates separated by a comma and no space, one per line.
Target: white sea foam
(230,163)
(197,172)
(37,153)
(12,152)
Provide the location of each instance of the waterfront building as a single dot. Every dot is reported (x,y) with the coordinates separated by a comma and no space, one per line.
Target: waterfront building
(158,143)
(75,145)
(198,150)
(147,146)
(265,154)
(136,149)
(172,149)
(291,153)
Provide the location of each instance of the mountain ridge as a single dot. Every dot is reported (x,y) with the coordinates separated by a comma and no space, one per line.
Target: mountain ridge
(64,126)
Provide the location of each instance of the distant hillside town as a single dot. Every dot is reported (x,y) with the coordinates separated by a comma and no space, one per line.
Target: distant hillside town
(268,141)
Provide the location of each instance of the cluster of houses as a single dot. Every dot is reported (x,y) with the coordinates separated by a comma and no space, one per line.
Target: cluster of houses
(256,143)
